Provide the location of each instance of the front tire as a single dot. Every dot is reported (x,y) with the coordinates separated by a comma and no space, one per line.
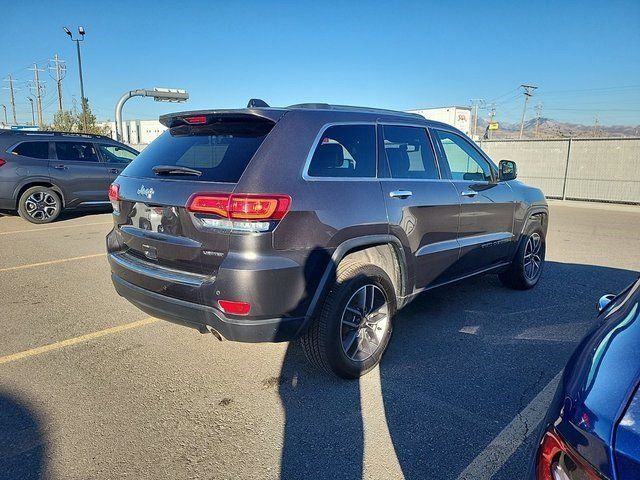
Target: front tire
(353,328)
(39,205)
(526,269)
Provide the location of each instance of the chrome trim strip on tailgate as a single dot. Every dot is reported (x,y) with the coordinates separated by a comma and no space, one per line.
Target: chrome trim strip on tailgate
(159,272)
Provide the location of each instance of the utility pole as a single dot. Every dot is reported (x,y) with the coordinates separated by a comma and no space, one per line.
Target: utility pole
(596,126)
(538,109)
(492,113)
(528,92)
(12,99)
(38,92)
(33,115)
(4,107)
(60,70)
(476,103)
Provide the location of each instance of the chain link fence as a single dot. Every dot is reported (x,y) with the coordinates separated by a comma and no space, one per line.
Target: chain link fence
(606,169)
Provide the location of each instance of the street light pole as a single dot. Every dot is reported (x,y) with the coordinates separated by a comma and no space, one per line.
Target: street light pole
(33,114)
(82,97)
(158,94)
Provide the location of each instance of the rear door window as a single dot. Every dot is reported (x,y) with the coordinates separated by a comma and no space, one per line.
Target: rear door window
(32,149)
(345,151)
(220,152)
(77,151)
(409,153)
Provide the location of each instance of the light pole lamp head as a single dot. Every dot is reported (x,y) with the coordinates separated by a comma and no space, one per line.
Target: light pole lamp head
(67,31)
(81,30)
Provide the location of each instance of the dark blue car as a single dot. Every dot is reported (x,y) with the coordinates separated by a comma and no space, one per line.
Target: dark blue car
(592,429)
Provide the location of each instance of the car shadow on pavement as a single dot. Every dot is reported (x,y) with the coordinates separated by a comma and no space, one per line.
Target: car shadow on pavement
(463,361)
(22,445)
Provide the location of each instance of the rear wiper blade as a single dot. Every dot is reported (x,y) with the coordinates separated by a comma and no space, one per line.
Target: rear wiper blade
(175,170)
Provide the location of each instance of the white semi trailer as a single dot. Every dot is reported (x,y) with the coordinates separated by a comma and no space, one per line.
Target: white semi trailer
(459,117)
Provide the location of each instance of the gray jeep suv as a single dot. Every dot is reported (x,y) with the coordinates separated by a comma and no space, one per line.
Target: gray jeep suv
(42,173)
(314,222)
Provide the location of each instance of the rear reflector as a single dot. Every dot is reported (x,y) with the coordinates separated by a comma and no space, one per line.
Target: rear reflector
(241,206)
(198,120)
(234,308)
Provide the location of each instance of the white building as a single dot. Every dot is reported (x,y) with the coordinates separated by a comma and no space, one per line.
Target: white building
(459,117)
(137,133)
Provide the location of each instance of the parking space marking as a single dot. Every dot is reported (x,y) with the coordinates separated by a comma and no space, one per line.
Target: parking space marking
(51,262)
(56,228)
(75,340)
(498,452)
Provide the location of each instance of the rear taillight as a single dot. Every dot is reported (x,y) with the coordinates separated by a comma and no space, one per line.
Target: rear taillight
(558,461)
(248,207)
(234,308)
(2,162)
(114,196)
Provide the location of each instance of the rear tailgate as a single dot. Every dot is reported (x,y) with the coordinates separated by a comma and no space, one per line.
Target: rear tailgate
(154,228)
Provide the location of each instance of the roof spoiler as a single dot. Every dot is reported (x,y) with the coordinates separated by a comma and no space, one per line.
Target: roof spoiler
(207,117)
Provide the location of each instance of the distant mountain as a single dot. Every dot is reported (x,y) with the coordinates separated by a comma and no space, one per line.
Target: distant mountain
(549,128)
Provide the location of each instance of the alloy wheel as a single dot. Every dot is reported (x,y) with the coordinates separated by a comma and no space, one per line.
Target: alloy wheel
(364,323)
(41,205)
(533,257)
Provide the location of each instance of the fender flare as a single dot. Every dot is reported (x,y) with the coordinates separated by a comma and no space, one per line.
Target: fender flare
(531,214)
(343,249)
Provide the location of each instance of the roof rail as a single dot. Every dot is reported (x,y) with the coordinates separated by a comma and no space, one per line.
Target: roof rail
(351,108)
(56,134)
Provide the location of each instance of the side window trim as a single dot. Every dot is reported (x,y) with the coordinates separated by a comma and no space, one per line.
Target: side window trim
(474,148)
(314,145)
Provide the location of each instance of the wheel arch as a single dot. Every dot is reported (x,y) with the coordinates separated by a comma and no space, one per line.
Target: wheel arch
(38,183)
(383,250)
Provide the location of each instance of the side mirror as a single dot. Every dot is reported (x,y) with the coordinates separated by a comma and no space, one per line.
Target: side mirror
(604,302)
(508,170)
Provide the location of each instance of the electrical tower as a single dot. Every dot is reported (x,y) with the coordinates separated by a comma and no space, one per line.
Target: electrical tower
(12,99)
(528,92)
(60,70)
(38,89)
(538,109)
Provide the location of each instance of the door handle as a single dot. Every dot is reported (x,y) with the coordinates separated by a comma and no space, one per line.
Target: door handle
(400,193)
(114,170)
(60,167)
(469,193)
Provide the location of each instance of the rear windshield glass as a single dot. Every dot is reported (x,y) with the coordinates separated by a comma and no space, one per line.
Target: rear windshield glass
(221,151)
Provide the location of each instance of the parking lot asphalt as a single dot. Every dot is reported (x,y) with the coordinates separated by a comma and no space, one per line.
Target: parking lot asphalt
(91,387)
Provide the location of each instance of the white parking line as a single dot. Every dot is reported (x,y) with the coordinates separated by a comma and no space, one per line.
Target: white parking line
(50,262)
(55,228)
(498,452)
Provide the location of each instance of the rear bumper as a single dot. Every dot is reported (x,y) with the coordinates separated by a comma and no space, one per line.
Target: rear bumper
(201,316)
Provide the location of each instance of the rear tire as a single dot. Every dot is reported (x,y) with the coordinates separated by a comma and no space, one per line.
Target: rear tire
(526,269)
(39,205)
(351,333)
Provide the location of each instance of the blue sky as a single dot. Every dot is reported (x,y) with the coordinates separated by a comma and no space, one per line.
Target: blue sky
(584,56)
